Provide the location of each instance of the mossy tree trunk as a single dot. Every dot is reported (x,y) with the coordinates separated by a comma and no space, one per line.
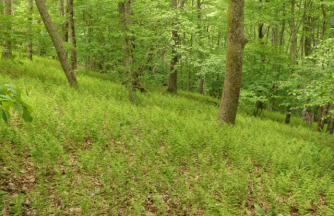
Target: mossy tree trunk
(63,13)
(200,27)
(234,59)
(127,48)
(29,50)
(51,28)
(172,83)
(7,49)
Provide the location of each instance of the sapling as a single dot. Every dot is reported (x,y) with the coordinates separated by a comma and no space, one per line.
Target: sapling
(261,212)
(10,97)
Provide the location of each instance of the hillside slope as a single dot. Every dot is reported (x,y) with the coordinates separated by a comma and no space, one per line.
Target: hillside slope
(91,152)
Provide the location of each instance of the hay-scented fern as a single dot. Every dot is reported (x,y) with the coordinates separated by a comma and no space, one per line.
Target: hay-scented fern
(92,152)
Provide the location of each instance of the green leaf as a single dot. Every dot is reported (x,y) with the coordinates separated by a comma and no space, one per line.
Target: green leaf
(2,192)
(4,116)
(271,210)
(16,95)
(29,108)
(27,92)
(26,115)
(1,7)
(2,91)
(259,210)
(10,86)
(18,107)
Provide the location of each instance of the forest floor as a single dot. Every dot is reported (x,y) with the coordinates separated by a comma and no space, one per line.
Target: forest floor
(91,152)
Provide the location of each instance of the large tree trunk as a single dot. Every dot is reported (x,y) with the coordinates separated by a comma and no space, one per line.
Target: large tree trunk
(72,35)
(63,13)
(172,83)
(234,59)
(125,20)
(29,51)
(51,28)
(7,49)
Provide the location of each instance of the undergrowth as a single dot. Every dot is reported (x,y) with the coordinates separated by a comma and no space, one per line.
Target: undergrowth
(90,152)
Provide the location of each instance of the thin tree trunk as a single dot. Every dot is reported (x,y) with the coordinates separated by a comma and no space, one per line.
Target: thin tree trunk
(332,22)
(125,20)
(3,4)
(292,51)
(319,119)
(31,5)
(201,85)
(51,28)
(234,59)
(200,27)
(188,81)
(74,61)
(7,49)
(323,114)
(63,13)
(330,124)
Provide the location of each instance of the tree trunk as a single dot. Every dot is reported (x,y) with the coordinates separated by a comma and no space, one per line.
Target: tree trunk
(172,83)
(330,124)
(324,113)
(29,51)
(293,33)
(319,119)
(234,59)
(287,118)
(74,61)
(201,85)
(292,50)
(63,13)
(7,49)
(188,81)
(125,20)
(332,21)
(51,28)
(3,4)
(200,27)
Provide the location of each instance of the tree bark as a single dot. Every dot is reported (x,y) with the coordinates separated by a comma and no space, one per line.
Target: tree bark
(321,123)
(127,48)
(1,12)
(319,119)
(292,50)
(234,59)
(293,33)
(332,22)
(51,28)
(172,83)
(330,124)
(63,13)
(7,49)
(3,4)
(201,85)
(74,61)
(200,27)
(29,51)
